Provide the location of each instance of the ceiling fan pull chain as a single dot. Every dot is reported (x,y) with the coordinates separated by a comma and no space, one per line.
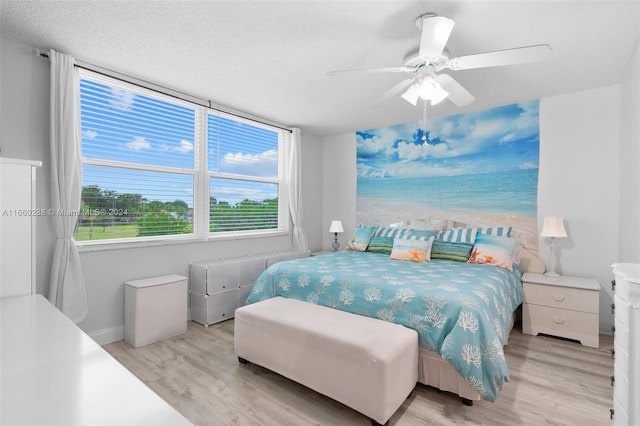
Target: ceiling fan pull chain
(424,118)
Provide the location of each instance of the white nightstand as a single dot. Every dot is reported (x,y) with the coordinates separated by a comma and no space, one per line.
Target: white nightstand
(564,307)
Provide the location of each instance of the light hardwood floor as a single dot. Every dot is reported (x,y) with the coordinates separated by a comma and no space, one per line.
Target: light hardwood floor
(553,382)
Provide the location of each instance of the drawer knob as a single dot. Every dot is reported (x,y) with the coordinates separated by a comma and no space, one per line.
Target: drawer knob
(558,320)
(559,298)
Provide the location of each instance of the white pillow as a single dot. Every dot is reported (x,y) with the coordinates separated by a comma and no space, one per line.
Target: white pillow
(413,250)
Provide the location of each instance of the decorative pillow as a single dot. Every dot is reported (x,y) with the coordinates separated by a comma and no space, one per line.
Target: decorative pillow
(391,232)
(360,238)
(498,231)
(459,252)
(382,245)
(492,250)
(424,234)
(412,250)
(459,235)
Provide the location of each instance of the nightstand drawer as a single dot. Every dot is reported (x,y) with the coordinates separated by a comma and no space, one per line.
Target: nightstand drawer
(575,325)
(574,299)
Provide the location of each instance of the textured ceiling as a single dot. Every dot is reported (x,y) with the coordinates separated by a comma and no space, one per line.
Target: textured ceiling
(270,58)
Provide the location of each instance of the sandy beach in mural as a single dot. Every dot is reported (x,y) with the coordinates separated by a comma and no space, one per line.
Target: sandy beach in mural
(382,212)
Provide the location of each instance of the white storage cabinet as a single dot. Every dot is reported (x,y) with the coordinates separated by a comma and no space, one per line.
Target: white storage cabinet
(218,287)
(155,309)
(626,383)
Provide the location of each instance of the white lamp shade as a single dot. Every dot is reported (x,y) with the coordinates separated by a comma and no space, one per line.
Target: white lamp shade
(553,227)
(336,226)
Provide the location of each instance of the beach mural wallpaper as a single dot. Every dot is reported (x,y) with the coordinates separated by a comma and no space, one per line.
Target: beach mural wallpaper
(473,169)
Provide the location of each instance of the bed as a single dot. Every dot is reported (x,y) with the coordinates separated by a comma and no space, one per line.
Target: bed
(463,312)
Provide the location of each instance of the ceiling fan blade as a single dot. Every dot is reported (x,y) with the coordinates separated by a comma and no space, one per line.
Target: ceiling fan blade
(435,34)
(520,55)
(372,70)
(457,94)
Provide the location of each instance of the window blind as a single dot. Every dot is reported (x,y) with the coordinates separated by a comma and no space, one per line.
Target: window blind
(142,174)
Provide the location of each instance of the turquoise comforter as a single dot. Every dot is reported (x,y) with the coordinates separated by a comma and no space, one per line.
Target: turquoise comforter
(461,311)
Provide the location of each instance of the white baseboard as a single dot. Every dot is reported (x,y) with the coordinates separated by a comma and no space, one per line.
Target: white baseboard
(108,335)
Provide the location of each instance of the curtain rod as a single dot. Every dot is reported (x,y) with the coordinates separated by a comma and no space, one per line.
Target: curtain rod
(152,86)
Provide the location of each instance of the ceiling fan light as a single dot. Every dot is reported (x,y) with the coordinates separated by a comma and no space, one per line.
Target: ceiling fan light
(428,88)
(412,94)
(440,96)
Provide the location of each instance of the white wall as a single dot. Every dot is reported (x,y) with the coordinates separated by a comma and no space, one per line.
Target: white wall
(630,163)
(339,189)
(312,189)
(578,179)
(25,132)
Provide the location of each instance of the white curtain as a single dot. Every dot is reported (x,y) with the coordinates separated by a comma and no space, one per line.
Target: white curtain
(295,192)
(66,287)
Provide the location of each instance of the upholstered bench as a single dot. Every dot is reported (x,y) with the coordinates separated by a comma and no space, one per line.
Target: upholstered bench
(368,364)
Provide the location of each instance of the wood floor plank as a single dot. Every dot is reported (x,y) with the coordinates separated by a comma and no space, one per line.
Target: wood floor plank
(553,382)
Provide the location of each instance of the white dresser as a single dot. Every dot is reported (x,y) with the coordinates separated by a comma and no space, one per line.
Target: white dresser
(17,226)
(626,391)
(564,306)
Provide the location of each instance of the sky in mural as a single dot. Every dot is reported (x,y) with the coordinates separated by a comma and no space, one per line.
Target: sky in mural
(498,139)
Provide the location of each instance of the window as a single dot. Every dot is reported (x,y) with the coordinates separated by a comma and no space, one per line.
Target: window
(157,168)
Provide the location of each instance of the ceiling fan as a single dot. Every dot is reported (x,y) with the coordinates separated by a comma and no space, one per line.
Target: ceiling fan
(425,63)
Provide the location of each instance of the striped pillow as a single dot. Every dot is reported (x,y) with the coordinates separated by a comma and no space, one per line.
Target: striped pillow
(459,235)
(391,232)
(423,234)
(382,245)
(498,231)
(459,252)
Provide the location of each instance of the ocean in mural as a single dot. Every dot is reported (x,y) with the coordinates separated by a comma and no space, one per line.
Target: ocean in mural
(473,169)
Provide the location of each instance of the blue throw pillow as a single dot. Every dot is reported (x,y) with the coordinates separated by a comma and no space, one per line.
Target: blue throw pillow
(360,238)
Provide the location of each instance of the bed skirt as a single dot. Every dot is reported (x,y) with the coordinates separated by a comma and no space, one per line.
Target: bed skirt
(435,371)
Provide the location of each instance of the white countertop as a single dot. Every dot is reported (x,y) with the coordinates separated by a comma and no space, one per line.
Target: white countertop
(53,373)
